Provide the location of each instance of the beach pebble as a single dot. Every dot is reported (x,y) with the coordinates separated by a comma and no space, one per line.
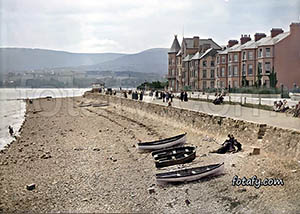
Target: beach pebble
(151,190)
(242,190)
(45,156)
(30,187)
(187,202)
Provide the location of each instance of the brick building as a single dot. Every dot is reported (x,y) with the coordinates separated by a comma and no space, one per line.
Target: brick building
(201,63)
(183,69)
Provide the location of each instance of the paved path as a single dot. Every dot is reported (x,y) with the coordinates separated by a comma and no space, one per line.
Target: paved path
(281,120)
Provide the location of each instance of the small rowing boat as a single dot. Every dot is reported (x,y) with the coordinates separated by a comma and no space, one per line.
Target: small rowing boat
(180,158)
(162,144)
(172,151)
(190,174)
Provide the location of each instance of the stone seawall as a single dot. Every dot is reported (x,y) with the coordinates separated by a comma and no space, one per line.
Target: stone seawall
(282,142)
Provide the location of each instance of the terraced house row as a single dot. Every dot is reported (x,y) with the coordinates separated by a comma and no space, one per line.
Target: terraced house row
(199,64)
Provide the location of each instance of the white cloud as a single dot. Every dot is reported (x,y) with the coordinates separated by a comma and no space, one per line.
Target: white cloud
(135,25)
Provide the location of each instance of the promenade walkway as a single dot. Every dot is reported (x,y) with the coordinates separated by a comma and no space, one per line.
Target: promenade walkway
(255,115)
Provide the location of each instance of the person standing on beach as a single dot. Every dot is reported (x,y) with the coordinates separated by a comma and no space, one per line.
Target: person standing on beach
(185,97)
(11,130)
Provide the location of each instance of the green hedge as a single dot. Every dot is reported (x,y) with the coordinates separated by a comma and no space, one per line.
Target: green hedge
(255,90)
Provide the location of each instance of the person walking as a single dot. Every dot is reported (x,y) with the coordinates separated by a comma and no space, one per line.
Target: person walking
(11,130)
(167,97)
(163,96)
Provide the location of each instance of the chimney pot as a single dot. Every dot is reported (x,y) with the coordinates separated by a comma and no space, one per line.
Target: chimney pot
(245,39)
(259,36)
(232,43)
(276,31)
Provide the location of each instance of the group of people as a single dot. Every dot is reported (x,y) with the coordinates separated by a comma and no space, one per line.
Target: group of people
(183,96)
(280,106)
(230,145)
(219,99)
(136,95)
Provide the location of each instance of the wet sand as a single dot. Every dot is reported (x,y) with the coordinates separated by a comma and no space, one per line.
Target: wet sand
(84,159)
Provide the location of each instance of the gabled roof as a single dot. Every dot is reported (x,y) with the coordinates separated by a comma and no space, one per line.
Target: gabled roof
(189,43)
(196,56)
(175,46)
(179,53)
(209,52)
(253,45)
(188,58)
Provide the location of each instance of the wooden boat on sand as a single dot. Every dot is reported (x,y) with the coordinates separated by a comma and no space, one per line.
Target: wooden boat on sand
(173,159)
(172,151)
(190,174)
(164,143)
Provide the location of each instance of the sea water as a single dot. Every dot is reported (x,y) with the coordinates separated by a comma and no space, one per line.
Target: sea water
(13,107)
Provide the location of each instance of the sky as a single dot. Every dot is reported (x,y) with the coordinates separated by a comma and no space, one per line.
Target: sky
(131,26)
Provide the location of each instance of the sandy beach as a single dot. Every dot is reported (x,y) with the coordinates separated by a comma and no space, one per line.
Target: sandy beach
(84,160)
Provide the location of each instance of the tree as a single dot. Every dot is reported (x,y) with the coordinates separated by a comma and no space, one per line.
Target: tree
(273,79)
(259,76)
(245,82)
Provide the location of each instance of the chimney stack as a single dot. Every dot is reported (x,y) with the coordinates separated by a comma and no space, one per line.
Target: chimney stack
(245,38)
(276,31)
(232,43)
(196,41)
(259,36)
(295,27)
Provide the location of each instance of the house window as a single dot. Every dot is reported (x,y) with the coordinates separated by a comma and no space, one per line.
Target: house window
(229,70)
(204,63)
(260,52)
(229,57)
(267,67)
(218,60)
(212,63)
(212,74)
(204,85)
(204,74)
(235,57)
(244,70)
(222,84)
(268,52)
(235,84)
(222,72)
(250,70)
(235,70)
(218,72)
(244,55)
(250,55)
(212,84)
(223,59)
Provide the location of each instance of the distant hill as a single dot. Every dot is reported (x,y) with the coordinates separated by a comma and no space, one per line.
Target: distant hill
(149,61)
(21,59)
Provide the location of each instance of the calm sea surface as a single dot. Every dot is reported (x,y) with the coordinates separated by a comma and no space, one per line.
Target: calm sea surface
(12,107)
